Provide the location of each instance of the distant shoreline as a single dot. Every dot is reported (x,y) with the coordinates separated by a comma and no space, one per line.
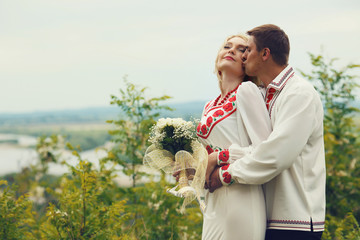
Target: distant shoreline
(95,115)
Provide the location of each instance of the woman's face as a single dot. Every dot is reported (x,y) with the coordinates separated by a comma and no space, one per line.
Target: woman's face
(230,57)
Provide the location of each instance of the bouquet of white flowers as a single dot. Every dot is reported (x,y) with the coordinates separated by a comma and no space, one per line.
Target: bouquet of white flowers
(175,148)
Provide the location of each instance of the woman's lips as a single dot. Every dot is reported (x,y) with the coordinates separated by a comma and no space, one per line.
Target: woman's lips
(229,58)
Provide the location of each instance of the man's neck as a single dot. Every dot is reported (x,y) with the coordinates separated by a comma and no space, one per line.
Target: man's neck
(270,73)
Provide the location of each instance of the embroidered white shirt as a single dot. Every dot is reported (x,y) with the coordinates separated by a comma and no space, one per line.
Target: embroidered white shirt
(291,162)
(236,210)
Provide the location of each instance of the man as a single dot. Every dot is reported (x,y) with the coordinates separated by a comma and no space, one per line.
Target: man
(291,162)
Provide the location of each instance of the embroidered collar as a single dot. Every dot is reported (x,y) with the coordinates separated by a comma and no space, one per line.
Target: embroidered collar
(215,114)
(279,82)
(274,88)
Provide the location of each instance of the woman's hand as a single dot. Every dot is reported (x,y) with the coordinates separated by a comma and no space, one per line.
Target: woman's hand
(212,164)
(190,172)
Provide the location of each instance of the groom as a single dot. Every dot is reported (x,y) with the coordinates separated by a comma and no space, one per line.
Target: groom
(291,162)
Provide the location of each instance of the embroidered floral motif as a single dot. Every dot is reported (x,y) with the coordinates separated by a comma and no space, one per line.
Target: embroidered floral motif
(198,128)
(204,129)
(232,99)
(275,88)
(225,167)
(223,157)
(228,107)
(209,121)
(272,90)
(225,175)
(269,96)
(214,114)
(209,149)
(218,113)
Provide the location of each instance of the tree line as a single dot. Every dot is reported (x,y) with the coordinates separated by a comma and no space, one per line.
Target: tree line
(88,202)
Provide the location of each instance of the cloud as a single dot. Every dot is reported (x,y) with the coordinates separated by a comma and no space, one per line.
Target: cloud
(57,48)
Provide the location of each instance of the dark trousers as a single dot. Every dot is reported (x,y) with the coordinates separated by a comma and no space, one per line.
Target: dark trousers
(273,234)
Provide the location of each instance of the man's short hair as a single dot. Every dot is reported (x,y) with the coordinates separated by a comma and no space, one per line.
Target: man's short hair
(272,37)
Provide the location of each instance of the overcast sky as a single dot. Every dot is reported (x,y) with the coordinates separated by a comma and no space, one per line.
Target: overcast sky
(60,54)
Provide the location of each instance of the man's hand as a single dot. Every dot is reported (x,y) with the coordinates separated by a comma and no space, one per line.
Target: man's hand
(211,165)
(214,181)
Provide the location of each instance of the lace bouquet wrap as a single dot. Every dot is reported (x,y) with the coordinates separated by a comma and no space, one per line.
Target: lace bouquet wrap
(175,148)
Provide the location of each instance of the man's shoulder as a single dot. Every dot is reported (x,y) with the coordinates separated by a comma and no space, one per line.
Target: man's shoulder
(299,88)
(299,85)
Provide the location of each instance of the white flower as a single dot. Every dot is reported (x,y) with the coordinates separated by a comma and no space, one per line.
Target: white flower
(182,132)
(58,212)
(153,195)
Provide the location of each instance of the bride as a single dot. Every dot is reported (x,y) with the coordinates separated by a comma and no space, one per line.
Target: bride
(237,116)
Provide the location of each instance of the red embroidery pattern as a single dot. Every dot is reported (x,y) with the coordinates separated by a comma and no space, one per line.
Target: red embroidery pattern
(232,99)
(218,113)
(226,97)
(225,175)
(207,105)
(275,88)
(283,78)
(198,128)
(228,107)
(210,149)
(215,114)
(209,121)
(223,157)
(269,96)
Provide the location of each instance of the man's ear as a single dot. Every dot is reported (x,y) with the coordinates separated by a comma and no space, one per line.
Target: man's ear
(265,53)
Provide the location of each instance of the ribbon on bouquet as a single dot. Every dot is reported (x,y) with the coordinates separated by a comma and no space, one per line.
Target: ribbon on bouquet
(190,187)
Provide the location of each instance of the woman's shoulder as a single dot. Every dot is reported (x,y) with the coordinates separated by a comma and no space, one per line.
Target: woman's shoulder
(208,104)
(248,89)
(249,84)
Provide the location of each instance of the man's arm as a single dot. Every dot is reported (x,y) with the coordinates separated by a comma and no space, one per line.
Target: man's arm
(294,124)
(254,124)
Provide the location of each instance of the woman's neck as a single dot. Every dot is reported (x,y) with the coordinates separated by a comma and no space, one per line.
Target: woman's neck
(229,83)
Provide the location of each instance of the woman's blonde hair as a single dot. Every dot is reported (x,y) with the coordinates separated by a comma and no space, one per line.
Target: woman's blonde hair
(217,72)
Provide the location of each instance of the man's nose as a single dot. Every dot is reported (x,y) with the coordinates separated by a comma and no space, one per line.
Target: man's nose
(244,56)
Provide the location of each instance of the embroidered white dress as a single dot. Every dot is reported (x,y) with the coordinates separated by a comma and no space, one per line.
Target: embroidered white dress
(236,211)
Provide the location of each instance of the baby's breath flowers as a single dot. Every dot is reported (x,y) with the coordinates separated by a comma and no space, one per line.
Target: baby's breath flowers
(173,134)
(175,149)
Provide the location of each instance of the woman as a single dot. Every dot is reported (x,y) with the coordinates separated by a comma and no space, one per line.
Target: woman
(237,116)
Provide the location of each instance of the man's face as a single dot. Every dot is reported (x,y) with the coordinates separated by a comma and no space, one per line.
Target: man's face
(252,58)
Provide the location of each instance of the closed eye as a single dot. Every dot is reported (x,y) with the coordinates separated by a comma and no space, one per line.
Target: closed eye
(242,49)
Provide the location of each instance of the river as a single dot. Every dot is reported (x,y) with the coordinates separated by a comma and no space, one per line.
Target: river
(18,151)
